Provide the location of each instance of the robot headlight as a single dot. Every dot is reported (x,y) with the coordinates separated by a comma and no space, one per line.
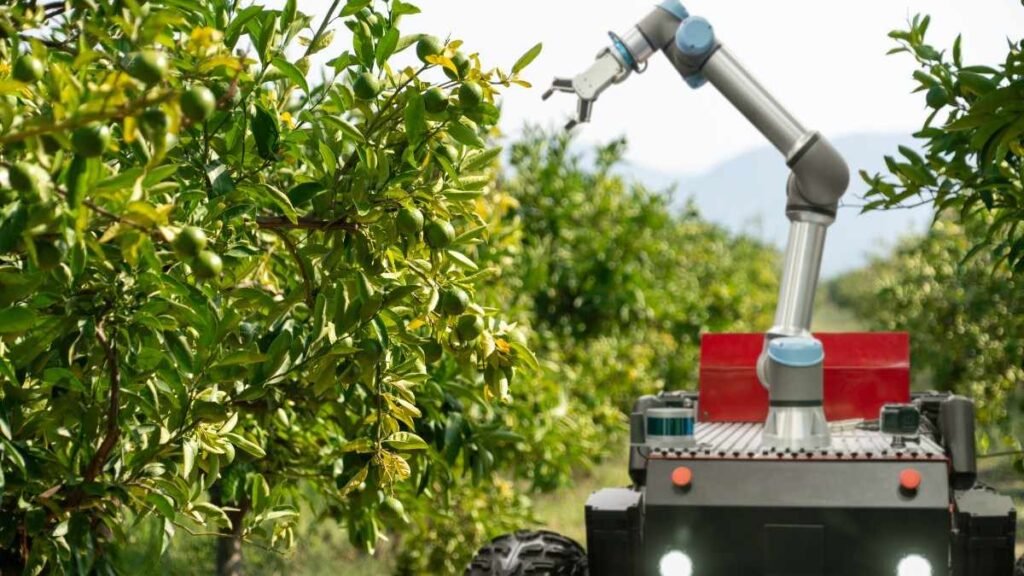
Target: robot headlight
(914,565)
(676,563)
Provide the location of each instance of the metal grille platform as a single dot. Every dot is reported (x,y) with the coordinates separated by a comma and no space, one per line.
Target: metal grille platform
(742,441)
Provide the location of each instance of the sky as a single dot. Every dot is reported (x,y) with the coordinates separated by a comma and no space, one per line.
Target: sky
(824,59)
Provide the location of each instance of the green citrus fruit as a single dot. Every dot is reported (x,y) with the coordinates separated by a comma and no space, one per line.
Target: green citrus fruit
(469,327)
(48,255)
(148,66)
(428,46)
(462,63)
(91,140)
(409,221)
(189,242)
(154,123)
(435,100)
(224,92)
(454,301)
(432,352)
(27,69)
(198,103)
(366,86)
(207,265)
(470,95)
(370,352)
(937,97)
(439,233)
(30,181)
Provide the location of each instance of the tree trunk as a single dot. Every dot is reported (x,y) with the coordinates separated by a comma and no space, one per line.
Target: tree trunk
(229,545)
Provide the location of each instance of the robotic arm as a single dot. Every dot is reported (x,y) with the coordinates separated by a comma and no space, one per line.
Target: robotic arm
(819,175)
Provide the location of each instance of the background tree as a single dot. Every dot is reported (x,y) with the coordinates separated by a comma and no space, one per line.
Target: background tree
(957,289)
(972,166)
(217,277)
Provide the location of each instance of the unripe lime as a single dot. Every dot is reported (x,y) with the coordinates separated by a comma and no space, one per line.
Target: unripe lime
(463,65)
(91,140)
(27,69)
(30,181)
(469,327)
(439,233)
(154,123)
(370,352)
(470,95)
(207,265)
(48,255)
(366,86)
(454,301)
(428,46)
(225,92)
(409,221)
(189,242)
(198,103)
(148,66)
(432,352)
(937,97)
(435,100)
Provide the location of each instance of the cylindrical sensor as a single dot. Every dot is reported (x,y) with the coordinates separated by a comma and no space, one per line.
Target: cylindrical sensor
(670,427)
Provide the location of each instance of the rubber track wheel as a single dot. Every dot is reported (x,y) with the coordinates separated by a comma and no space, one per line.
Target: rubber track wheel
(525,553)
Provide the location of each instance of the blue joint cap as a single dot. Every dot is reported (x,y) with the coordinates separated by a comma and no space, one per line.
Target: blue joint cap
(796,352)
(695,81)
(620,46)
(695,37)
(675,8)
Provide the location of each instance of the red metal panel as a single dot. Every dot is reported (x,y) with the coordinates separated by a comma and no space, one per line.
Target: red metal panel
(863,371)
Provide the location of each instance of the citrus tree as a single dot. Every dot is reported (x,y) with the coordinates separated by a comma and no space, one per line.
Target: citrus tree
(223,286)
(957,289)
(972,139)
(616,285)
(965,318)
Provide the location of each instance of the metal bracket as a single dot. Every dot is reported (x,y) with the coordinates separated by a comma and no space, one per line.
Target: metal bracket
(604,72)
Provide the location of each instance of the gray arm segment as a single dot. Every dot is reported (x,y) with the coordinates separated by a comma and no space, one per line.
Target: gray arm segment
(819,176)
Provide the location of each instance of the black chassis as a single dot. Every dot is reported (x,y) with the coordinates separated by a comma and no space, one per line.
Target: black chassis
(798,514)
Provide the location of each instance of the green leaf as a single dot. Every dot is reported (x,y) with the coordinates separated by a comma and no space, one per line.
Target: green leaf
(405,442)
(287,14)
(360,446)
(14,320)
(353,6)
(463,261)
(188,453)
(291,72)
(234,29)
(245,444)
(387,45)
(242,357)
(526,59)
(479,160)
(346,127)
(465,135)
(163,504)
(415,118)
(266,132)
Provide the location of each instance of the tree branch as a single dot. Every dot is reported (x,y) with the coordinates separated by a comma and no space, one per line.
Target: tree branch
(305,223)
(113,433)
(307,282)
(70,124)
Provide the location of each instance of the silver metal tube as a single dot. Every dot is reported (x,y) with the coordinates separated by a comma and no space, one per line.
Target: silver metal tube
(799,278)
(749,97)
